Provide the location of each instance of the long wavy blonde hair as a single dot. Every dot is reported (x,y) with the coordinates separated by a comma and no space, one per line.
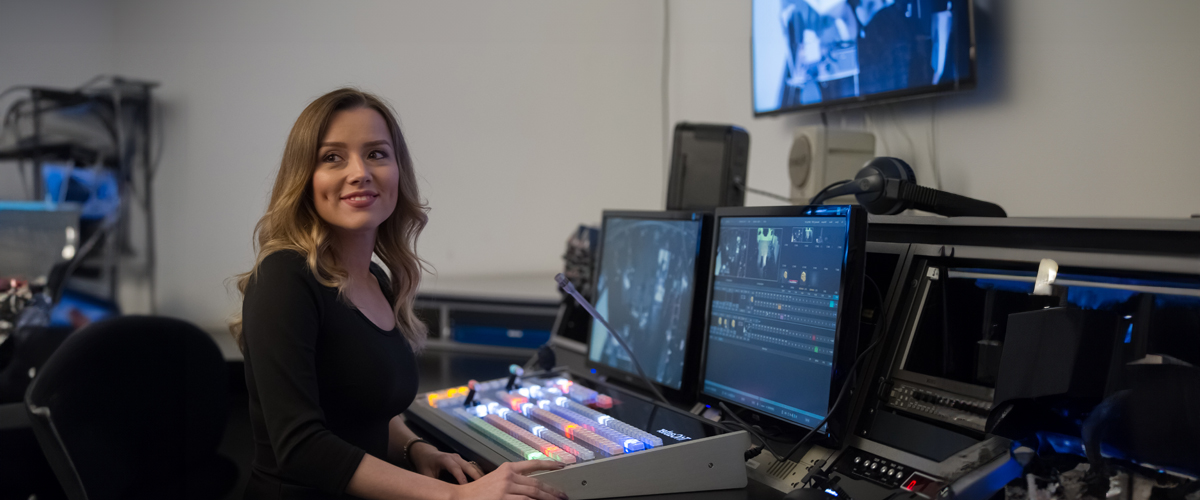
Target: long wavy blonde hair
(292,222)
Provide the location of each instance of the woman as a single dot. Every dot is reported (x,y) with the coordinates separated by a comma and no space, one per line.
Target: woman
(329,338)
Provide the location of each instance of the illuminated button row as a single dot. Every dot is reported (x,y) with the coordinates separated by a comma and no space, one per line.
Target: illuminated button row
(587,396)
(544,433)
(505,440)
(554,421)
(458,393)
(573,431)
(629,444)
(646,438)
(583,394)
(565,444)
(528,438)
(604,401)
(541,431)
(512,401)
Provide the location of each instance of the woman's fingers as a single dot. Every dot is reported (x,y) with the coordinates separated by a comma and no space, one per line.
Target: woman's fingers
(470,468)
(530,466)
(534,492)
(455,470)
(534,483)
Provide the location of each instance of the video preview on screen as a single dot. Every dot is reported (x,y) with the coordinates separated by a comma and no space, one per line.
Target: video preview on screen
(809,52)
(645,287)
(776,287)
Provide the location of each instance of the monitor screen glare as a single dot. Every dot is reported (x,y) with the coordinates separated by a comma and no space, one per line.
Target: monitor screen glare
(645,287)
(774,313)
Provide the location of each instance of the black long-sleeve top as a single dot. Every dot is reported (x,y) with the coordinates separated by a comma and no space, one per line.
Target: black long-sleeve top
(323,382)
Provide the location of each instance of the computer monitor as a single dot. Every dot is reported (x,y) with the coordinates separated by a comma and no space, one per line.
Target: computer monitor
(650,284)
(783,310)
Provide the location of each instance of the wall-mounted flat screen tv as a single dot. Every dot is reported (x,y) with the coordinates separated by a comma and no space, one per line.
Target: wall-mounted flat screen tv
(814,54)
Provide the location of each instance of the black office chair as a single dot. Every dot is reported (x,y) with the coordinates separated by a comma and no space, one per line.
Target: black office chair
(134,407)
(23,469)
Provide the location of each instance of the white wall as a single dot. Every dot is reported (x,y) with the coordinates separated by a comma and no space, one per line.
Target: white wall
(524,118)
(1083,108)
(50,43)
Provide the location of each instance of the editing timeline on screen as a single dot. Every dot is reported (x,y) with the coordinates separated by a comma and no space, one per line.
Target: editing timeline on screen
(774,312)
(645,288)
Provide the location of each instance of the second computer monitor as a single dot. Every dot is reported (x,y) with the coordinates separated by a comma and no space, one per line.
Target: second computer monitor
(783,309)
(649,286)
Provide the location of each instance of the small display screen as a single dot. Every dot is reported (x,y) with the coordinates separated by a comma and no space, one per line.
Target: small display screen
(777,283)
(818,52)
(645,287)
(923,485)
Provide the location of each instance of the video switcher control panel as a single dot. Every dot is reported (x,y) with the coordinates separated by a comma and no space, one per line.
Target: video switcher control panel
(614,444)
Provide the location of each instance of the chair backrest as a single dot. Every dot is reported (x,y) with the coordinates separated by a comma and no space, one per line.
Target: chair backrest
(126,407)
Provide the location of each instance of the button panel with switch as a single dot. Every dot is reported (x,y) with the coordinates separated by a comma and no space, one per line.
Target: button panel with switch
(859,464)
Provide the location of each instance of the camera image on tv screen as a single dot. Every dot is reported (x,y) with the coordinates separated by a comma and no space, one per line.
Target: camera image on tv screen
(644,289)
(809,52)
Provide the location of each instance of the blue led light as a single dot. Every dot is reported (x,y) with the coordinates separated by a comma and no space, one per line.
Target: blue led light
(632,445)
(831,492)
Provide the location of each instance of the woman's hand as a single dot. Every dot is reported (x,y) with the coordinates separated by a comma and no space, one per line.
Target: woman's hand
(509,482)
(428,461)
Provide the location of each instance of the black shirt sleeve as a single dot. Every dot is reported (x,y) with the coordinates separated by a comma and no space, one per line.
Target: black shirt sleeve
(281,316)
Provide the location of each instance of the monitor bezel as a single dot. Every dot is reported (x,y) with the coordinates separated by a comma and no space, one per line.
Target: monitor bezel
(846,334)
(967,83)
(696,328)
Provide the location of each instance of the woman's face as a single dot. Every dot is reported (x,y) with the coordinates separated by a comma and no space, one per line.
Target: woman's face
(357,178)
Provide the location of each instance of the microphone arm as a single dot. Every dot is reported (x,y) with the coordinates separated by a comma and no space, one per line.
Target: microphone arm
(942,202)
(857,186)
(566,286)
(911,195)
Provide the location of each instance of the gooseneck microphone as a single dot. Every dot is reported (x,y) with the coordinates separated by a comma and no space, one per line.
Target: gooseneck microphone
(566,286)
(887,186)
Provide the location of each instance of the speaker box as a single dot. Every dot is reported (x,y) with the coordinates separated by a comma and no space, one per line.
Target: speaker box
(820,156)
(708,167)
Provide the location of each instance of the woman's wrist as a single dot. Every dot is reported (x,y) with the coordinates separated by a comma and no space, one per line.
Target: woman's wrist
(421,447)
(412,443)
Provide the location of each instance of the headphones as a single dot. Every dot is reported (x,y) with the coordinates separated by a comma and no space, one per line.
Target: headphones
(887,186)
